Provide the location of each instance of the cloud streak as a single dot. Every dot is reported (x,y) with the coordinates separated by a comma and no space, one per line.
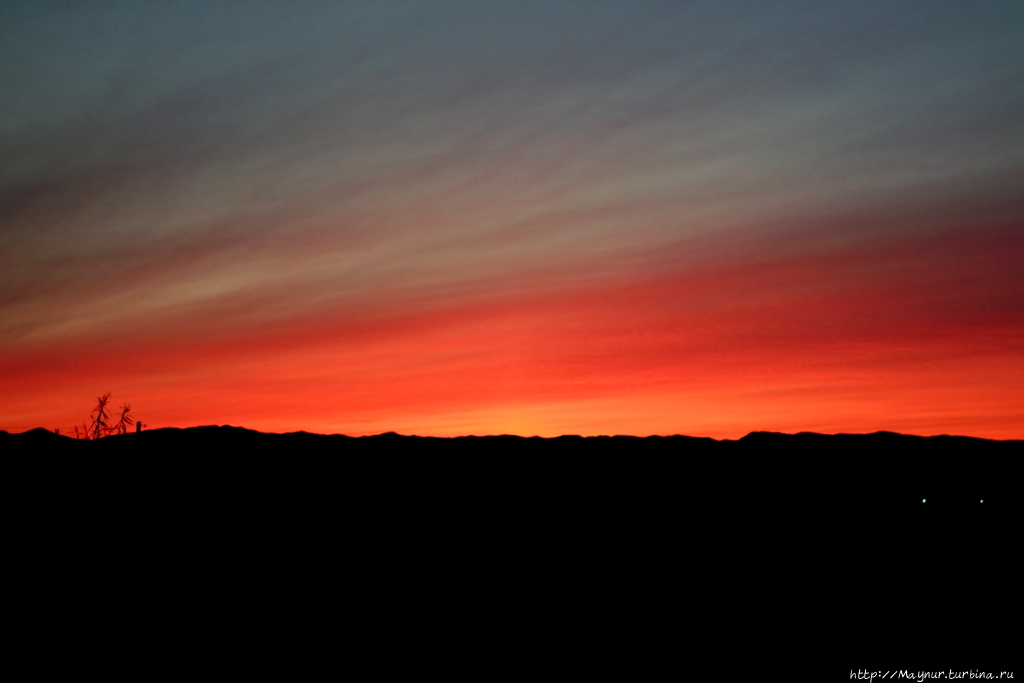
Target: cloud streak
(413,191)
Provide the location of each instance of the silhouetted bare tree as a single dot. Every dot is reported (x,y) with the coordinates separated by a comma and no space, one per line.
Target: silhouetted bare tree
(124,419)
(100,417)
(99,423)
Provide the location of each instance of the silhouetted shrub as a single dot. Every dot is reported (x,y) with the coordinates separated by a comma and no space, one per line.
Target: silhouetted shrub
(100,426)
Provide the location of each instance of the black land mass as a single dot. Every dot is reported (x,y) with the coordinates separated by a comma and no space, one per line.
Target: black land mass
(806,471)
(861,538)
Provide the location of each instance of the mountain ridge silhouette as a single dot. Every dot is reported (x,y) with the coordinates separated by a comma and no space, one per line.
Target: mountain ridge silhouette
(40,432)
(760,469)
(848,526)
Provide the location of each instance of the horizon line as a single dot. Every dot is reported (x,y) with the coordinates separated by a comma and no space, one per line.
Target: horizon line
(534,436)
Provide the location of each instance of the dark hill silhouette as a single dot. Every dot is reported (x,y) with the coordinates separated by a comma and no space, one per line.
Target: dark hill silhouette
(387,529)
(801,471)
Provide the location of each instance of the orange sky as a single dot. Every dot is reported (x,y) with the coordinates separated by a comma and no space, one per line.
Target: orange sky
(535,217)
(920,335)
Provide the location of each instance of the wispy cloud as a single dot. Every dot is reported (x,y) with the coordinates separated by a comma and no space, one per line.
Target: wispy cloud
(192,175)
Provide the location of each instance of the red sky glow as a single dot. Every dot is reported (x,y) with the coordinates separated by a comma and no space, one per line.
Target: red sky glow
(473,219)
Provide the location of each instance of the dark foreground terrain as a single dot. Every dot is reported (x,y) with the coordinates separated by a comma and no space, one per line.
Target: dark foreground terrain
(862,472)
(865,541)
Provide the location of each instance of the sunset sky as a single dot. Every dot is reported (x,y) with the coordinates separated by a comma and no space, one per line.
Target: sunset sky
(537,217)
